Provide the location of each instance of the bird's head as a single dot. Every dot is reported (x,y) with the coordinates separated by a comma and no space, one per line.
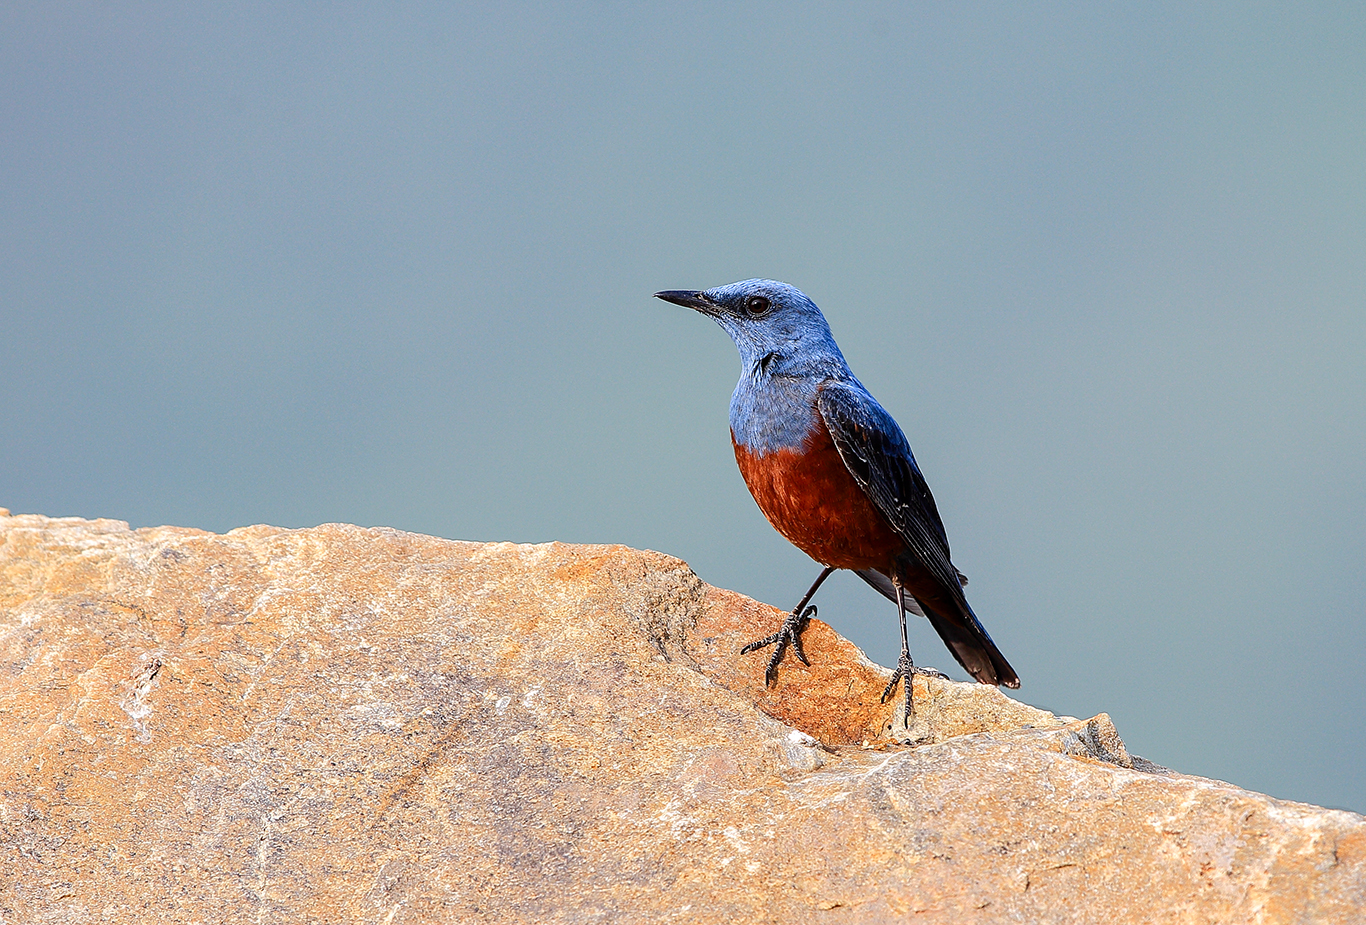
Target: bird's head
(765,318)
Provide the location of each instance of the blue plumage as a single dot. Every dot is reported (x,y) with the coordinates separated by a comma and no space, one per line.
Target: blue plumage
(785,355)
(833,472)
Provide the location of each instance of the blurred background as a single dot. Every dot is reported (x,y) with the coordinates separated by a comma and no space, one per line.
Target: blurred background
(392,265)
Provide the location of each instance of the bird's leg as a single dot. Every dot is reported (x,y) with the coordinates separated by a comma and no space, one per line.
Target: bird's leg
(790,633)
(905,668)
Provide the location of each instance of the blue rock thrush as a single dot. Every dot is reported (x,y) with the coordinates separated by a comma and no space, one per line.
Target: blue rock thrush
(832,471)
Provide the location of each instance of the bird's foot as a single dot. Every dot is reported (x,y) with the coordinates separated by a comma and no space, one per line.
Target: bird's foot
(790,633)
(905,672)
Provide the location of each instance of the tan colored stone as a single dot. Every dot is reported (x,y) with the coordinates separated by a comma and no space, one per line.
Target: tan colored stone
(341,724)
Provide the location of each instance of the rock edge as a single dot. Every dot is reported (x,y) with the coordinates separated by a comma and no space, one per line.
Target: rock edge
(341,724)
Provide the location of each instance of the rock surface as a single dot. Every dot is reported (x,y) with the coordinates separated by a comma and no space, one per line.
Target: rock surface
(343,724)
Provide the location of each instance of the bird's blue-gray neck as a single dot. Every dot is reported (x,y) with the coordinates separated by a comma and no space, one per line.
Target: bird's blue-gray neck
(774,403)
(772,407)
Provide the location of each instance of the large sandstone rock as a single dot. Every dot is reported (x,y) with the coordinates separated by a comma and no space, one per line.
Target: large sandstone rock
(342,724)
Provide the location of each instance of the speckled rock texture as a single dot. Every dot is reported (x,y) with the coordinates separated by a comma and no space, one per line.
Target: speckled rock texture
(361,725)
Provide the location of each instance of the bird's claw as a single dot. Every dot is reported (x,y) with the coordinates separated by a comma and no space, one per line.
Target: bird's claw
(905,671)
(790,633)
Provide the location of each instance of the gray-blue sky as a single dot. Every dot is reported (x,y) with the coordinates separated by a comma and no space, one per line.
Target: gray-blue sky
(392,265)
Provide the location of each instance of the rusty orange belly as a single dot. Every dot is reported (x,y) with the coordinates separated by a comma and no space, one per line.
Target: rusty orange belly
(810,498)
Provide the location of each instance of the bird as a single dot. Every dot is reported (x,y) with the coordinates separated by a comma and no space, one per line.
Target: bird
(834,474)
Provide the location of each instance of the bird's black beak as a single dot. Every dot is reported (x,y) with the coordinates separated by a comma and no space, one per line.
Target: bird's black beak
(689,298)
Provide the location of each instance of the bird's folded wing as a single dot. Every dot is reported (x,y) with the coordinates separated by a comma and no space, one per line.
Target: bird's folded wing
(878,457)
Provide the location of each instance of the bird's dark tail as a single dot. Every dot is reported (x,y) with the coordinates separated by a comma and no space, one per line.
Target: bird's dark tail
(966,638)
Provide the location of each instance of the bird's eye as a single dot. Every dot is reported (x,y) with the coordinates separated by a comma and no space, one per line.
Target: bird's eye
(756,305)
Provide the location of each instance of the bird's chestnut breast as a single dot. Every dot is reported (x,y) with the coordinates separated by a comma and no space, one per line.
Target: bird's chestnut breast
(808,495)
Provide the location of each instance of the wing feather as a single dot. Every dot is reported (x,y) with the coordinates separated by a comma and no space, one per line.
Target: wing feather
(877,455)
